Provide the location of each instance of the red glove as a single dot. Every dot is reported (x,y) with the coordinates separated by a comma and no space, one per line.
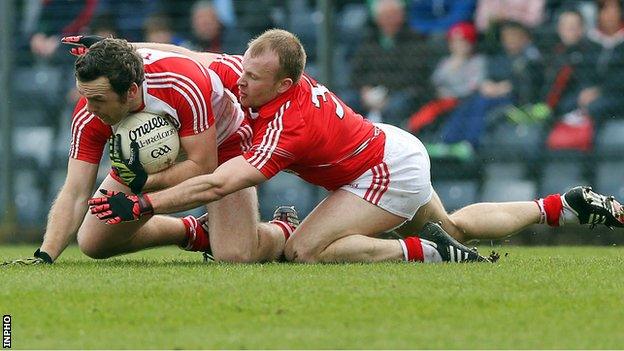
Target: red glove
(81,43)
(116,207)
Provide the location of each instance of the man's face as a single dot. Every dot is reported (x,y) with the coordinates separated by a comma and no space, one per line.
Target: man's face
(514,40)
(206,25)
(257,84)
(570,28)
(102,101)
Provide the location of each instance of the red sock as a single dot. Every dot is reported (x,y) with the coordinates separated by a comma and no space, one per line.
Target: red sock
(197,237)
(552,208)
(286,228)
(413,248)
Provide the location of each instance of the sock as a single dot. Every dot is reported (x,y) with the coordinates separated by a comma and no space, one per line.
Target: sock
(285,226)
(412,249)
(551,210)
(197,237)
(430,252)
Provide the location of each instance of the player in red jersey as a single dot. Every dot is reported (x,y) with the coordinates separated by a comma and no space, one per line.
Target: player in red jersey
(378,175)
(114,80)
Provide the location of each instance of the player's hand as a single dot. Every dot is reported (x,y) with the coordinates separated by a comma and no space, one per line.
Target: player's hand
(116,207)
(129,170)
(39,257)
(81,43)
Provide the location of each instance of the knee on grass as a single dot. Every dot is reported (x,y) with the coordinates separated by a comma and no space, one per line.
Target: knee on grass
(234,255)
(94,250)
(301,254)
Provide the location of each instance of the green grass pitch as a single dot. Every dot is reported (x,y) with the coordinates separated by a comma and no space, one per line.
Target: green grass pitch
(536,298)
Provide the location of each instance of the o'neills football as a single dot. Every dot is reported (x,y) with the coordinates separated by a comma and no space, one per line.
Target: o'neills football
(157,138)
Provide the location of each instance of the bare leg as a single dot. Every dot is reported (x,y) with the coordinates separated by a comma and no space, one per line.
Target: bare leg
(477,221)
(236,234)
(99,240)
(339,229)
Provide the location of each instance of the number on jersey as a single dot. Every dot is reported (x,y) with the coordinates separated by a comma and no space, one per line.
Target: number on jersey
(321,90)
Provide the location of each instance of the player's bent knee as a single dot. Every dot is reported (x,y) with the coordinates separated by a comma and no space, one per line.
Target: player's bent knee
(300,254)
(93,250)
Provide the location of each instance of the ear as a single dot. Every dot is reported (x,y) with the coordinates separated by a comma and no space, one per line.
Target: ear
(284,85)
(133,91)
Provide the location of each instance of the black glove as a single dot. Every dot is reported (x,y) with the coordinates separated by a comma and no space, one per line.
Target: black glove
(116,207)
(40,257)
(129,170)
(81,43)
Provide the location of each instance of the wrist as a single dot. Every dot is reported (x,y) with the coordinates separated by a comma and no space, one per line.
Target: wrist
(145,205)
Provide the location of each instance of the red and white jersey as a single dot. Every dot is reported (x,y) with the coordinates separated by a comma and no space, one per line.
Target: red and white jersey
(229,68)
(175,85)
(310,132)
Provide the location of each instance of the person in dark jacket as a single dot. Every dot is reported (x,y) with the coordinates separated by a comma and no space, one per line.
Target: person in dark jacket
(602,96)
(391,68)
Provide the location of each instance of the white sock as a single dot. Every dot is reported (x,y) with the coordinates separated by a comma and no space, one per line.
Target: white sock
(430,253)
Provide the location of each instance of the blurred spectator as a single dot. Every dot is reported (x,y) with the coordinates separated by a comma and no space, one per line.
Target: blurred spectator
(209,33)
(437,16)
(158,30)
(104,25)
(255,17)
(59,18)
(490,14)
(389,65)
(456,78)
(178,12)
(528,12)
(512,77)
(129,15)
(570,63)
(517,72)
(602,97)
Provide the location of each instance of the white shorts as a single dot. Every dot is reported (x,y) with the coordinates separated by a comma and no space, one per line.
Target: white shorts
(401,184)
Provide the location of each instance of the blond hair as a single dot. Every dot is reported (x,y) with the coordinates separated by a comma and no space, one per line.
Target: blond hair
(291,54)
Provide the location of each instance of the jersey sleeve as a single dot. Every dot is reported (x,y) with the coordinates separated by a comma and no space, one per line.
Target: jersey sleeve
(88,135)
(187,87)
(278,142)
(229,68)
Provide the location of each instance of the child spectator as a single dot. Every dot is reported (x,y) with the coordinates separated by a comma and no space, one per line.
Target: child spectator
(512,77)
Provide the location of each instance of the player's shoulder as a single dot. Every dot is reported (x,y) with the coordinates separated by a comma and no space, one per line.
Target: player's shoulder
(226,64)
(156,61)
(80,111)
(238,59)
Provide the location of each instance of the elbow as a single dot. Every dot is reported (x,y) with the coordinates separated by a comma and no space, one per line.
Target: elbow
(215,193)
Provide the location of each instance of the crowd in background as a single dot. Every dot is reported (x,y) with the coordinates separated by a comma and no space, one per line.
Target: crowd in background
(479,82)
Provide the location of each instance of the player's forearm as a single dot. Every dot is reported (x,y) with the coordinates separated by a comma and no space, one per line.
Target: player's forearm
(175,175)
(66,215)
(189,194)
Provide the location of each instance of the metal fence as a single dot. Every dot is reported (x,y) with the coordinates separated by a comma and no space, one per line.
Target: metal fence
(536,140)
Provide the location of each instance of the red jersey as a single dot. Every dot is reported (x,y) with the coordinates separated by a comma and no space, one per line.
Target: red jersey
(307,131)
(175,85)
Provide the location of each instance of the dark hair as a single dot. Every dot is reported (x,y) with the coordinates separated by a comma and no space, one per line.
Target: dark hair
(602,3)
(114,59)
(515,25)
